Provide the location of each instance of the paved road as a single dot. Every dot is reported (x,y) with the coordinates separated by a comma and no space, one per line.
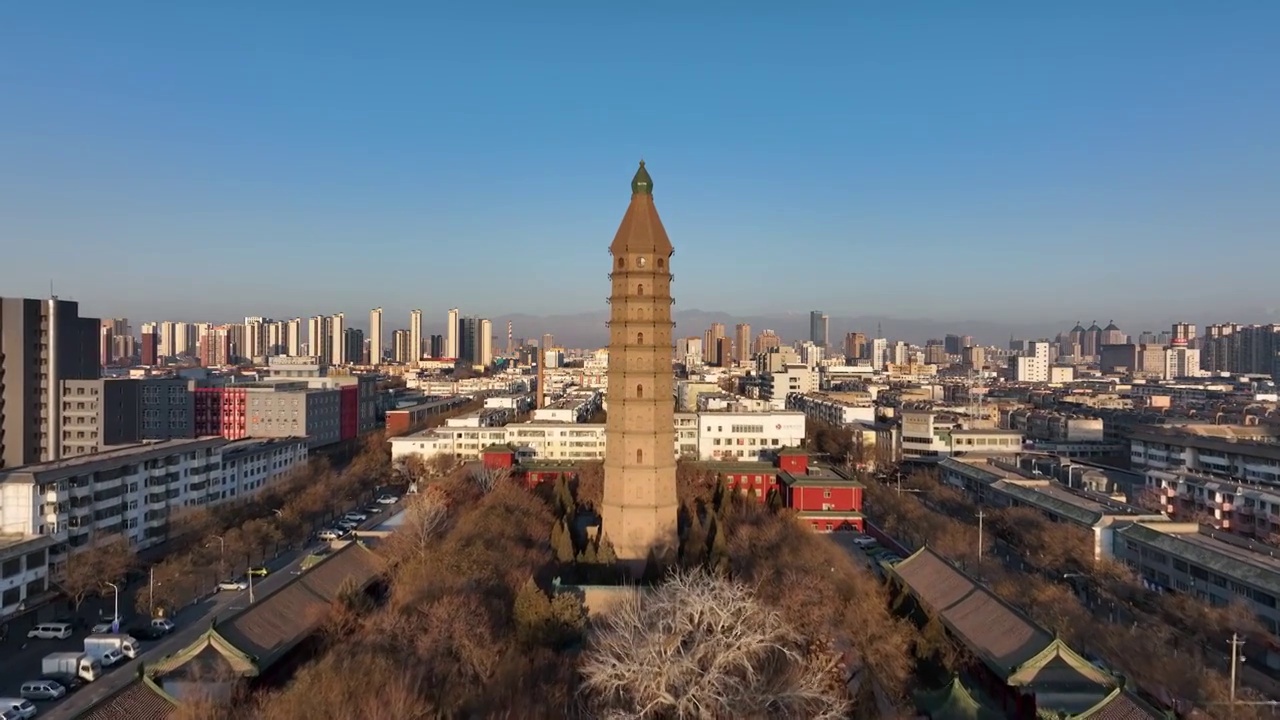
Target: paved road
(24,663)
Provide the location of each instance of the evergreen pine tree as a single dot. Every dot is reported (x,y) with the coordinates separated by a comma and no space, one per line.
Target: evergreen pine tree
(562,542)
(693,550)
(605,554)
(775,501)
(532,614)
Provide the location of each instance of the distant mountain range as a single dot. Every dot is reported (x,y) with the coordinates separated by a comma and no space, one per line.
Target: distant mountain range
(588,329)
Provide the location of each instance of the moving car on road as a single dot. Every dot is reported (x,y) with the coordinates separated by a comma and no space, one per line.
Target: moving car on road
(388,500)
(354,516)
(233,585)
(373,509)
(258,571)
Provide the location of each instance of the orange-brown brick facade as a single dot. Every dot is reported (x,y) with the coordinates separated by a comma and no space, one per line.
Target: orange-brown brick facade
(639,512)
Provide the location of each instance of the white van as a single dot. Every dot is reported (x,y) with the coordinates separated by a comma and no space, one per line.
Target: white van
(50,631)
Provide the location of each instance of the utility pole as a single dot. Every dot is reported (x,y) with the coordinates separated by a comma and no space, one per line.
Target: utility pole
(980,516)
(1236,645)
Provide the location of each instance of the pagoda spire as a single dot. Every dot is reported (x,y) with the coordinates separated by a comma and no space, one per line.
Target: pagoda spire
(642,184)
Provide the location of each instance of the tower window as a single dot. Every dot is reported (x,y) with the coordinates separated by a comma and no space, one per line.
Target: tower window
(639,338)
(639,456)
(640,391)
(622,262)
(661,263)
(639,313)
(640,289)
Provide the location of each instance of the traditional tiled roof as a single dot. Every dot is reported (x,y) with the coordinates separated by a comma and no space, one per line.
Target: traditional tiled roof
(274,625)
(955,702)
(991,629)
(252,640)
(141,699)
(641,230)
(1122,705)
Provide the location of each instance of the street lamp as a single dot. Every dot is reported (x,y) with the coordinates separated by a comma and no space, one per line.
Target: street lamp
(222,554)
(115,616)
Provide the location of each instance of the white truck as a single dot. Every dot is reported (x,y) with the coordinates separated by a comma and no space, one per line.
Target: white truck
(77,664)
(96,645)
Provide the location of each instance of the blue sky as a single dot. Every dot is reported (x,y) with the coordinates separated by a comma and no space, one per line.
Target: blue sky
(1001,160)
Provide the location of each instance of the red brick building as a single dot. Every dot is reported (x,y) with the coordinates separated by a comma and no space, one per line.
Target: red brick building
(221,411)
(403,421)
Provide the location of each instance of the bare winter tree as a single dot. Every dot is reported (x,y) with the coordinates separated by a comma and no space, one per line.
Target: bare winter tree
(488,478)
(703,646)
(425,517)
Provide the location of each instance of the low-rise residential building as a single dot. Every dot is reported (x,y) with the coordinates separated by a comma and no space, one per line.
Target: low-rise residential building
(993,483)
(1218,568)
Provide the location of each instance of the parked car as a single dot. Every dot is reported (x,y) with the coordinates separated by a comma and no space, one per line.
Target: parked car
(334,533)
(18,707)
(146,632)
(388,500)
(164,625)
(42,690)
(864,541)
(105,625)
(70,683)
(50,631)
(233,585)
(346,525)
(259,571)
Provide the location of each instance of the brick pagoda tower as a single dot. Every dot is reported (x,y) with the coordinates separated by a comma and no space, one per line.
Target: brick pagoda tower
(639,513)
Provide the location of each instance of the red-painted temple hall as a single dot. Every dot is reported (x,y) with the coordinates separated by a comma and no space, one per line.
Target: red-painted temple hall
(821,495)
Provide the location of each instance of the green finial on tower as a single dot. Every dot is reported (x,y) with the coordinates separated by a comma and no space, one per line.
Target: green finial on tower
(642,184)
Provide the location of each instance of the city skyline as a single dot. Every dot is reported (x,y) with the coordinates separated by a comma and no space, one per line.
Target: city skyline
(1061,156)
(587,329)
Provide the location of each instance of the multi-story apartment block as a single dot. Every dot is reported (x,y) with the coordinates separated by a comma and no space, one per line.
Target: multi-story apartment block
(132,491)
(24,571)
(42,344)
(927,437)
(168,408)
(1034,366)
(1248,454)
(833,408)
(248,466)
(796,378)
(100,413)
